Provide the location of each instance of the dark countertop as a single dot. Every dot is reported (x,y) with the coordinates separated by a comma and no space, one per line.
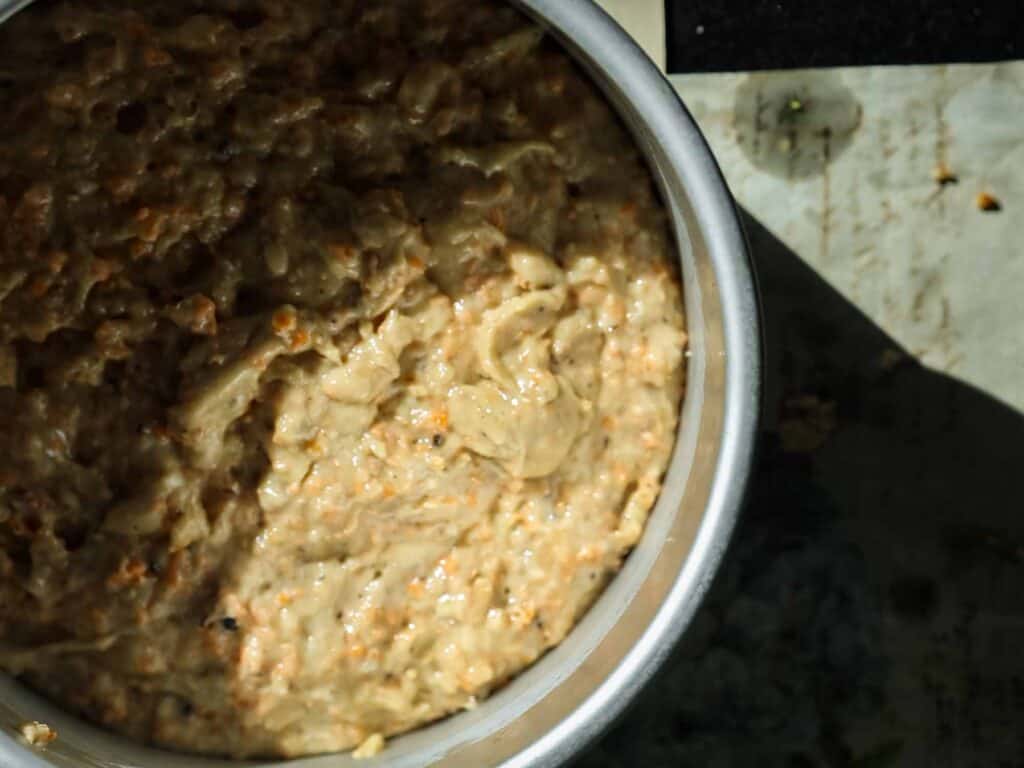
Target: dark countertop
(885,500)
(886,496)
(733,35)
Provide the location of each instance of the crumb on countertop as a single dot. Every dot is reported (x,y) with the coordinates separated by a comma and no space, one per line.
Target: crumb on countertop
(369,748)
(988,203)
(37,734)
(891,358)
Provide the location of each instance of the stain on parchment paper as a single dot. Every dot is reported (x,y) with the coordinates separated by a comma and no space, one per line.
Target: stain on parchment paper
(794,124)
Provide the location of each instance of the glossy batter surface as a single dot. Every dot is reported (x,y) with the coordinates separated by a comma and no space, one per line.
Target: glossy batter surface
(340,361)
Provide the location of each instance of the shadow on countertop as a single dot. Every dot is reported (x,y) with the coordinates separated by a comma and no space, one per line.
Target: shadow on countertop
(870,612)
(741,35)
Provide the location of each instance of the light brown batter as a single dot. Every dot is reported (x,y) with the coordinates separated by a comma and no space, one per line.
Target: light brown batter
(340,361)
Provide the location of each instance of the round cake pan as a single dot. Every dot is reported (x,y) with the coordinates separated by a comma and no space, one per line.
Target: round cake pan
(550,712)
